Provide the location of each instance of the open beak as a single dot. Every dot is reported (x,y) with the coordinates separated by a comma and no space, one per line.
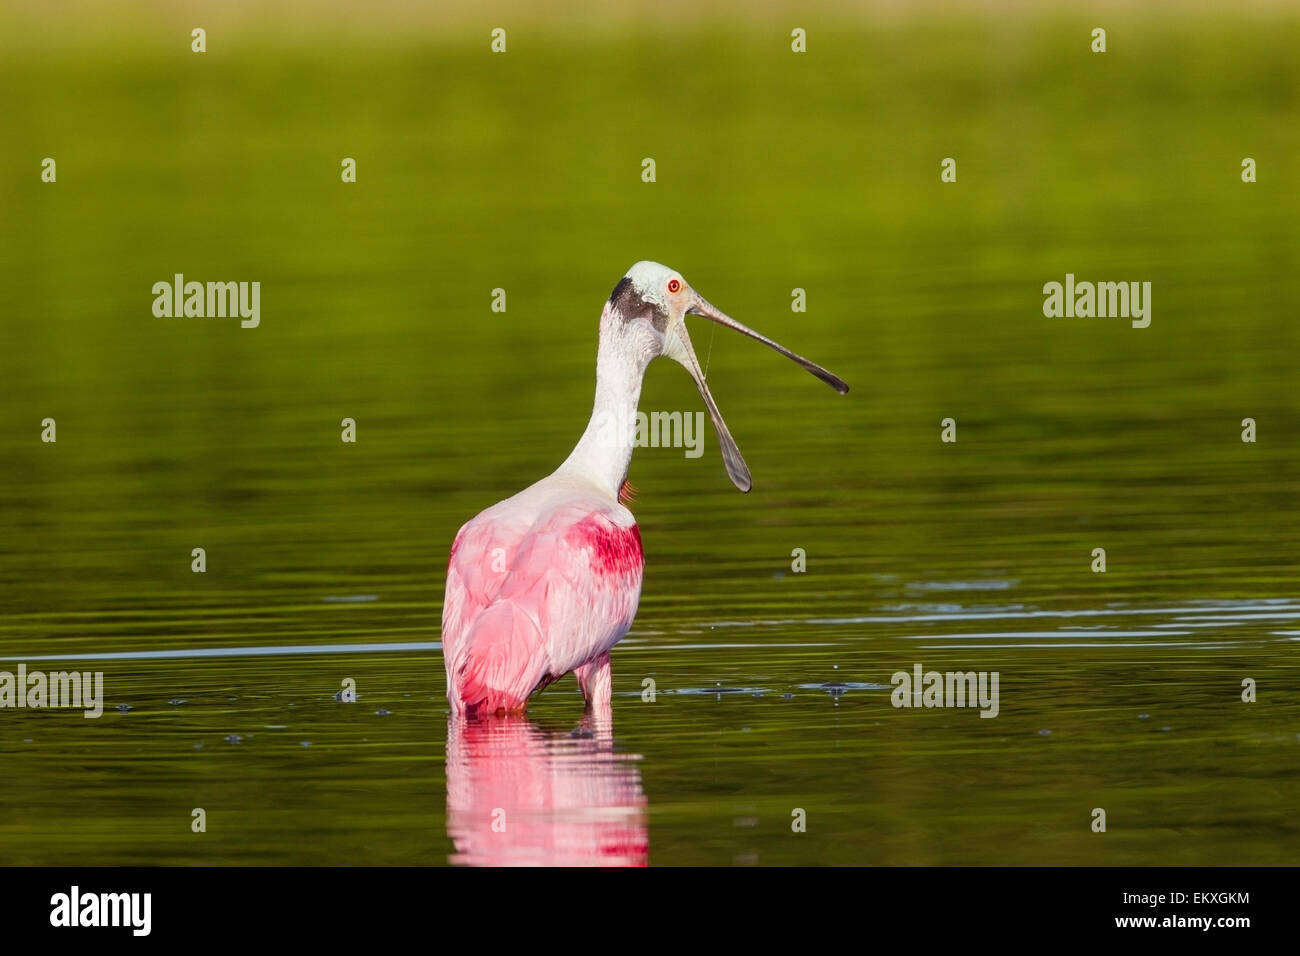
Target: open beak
(737,470)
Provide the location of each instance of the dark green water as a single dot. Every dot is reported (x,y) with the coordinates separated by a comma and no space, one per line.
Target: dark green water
(1119,690)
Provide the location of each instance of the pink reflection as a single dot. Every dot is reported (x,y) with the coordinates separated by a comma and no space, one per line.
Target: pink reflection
(517,796)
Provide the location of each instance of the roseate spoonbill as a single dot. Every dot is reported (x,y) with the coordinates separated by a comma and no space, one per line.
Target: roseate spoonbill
(548,581)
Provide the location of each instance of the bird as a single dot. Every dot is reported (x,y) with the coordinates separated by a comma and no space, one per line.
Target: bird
(545,583)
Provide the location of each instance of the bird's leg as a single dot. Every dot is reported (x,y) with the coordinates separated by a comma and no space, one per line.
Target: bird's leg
(594,679)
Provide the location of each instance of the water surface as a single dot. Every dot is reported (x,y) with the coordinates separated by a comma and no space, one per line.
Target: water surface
(325,560)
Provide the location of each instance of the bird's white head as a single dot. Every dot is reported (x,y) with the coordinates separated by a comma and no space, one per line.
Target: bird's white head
(646,316)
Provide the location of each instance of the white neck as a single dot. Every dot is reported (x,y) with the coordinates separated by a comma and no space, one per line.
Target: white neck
(603,453)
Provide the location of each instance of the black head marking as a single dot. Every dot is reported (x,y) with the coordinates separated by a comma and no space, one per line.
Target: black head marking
(632,305)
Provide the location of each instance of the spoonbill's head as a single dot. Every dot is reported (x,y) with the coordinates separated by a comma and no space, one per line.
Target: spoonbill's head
(648,310)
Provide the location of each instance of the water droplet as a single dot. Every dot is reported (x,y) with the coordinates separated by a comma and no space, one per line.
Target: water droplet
(306,743)
(177,701)
(123,708)
(1144,716)
(787,696)
(234,739)
(1044,733)
(381,712)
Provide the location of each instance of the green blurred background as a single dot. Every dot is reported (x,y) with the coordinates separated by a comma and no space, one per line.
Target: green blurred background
(775,170)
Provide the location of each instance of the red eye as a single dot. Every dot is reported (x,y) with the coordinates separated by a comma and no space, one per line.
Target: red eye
(674,285)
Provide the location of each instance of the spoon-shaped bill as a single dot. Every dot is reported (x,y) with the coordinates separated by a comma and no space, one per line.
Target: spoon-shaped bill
(703,308)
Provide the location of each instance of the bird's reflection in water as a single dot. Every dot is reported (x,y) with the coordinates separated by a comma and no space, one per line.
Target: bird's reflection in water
(520,796)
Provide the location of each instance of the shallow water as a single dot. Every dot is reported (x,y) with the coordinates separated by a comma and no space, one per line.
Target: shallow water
(1119,690)
(1130,708)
